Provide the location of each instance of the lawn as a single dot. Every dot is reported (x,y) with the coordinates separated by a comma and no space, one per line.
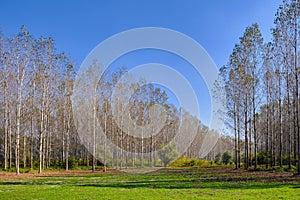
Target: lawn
(169,183)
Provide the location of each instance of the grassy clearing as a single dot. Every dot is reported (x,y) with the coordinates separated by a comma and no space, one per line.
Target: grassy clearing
(175,183)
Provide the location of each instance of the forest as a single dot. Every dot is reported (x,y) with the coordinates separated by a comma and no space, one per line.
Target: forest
(263,93)
(37,127)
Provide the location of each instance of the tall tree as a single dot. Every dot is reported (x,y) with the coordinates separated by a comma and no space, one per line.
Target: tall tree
(21,51)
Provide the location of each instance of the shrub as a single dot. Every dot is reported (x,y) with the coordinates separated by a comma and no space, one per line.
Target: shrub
(226,157)
(190,162)
(73,164)
(167,154)
(218,158)
(261,158)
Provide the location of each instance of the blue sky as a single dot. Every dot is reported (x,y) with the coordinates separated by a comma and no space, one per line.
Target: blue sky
(79,25)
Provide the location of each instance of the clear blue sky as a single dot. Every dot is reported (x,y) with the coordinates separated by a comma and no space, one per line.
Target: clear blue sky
(79,25)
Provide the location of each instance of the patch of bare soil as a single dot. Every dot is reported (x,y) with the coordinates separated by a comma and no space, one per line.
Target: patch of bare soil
(235,174)
(228,174)
(70,173)
(212,173)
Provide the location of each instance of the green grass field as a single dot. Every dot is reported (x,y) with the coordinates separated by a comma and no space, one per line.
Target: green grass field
(170,183)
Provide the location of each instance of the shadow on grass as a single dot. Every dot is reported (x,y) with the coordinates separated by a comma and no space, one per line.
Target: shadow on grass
(190,185)
(165,184)
(166,179)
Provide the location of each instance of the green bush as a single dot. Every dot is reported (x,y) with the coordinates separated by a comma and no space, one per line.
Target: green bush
(227,158)
(167,154)
(218,158)
(190,162)
(73,164)
(261,158)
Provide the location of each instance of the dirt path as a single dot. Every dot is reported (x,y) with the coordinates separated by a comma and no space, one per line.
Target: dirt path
(225,173)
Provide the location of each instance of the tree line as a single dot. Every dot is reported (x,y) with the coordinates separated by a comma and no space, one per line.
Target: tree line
(262,87)
(36,82)
(37,127)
